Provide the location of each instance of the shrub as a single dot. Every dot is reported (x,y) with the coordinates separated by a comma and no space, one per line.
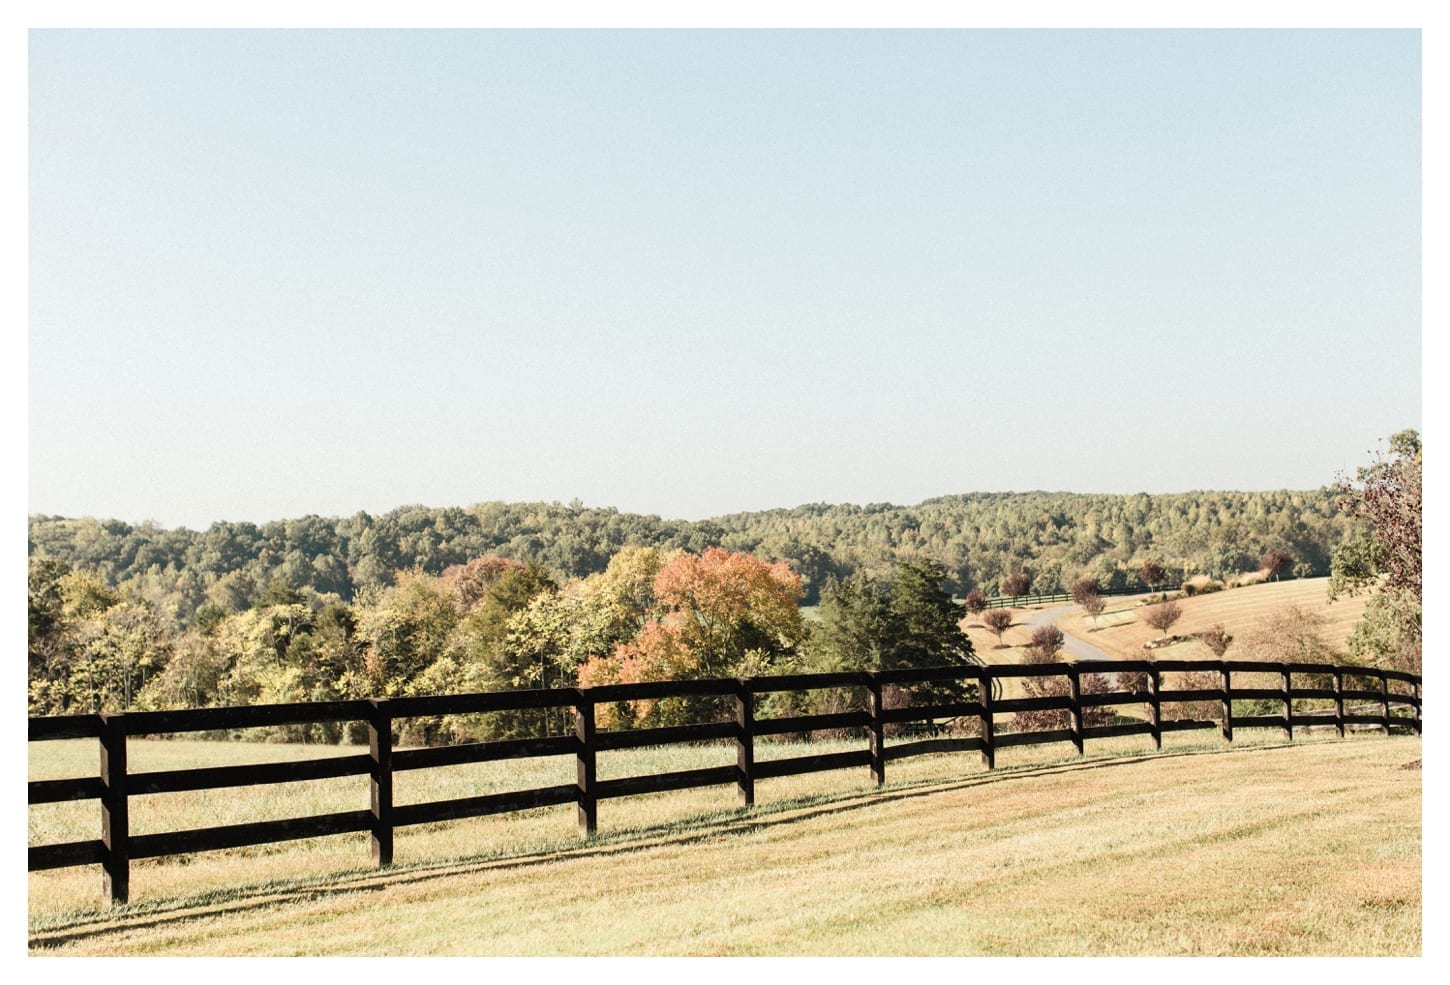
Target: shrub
(1195,711)
(1288,634)
(1056,686)
(1217,639)
(1201,585)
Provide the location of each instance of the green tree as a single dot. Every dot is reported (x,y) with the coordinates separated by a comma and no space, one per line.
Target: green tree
(404,629)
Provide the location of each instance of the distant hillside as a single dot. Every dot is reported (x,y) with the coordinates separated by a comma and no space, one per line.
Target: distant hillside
(980,537)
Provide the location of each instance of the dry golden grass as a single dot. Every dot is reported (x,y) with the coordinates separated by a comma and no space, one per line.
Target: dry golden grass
(1310,849)
(1121,632)
(1007,650)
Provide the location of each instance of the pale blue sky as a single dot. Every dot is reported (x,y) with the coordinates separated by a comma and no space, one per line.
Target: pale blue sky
(690,273)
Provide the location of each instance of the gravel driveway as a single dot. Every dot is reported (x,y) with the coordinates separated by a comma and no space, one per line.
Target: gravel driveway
(1074,647)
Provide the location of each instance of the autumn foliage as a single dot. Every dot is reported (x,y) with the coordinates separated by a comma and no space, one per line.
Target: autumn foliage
(1016,585)
(997,620)
(1162,616)
(717,614)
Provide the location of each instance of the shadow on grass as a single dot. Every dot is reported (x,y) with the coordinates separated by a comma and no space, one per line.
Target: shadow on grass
(699,828)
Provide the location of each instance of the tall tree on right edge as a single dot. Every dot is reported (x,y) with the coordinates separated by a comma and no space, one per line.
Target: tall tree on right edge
(1384,557)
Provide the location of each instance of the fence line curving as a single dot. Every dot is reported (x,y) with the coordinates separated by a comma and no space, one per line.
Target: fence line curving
(1069,707)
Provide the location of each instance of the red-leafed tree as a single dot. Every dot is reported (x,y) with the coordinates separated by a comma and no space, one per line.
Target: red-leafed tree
(1386,496)
(471,581)
(1272,563)
(1151,573)
(1162,616)
(997,620)
(1016,585)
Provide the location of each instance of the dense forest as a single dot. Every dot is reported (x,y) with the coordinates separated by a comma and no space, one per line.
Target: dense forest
(500,596)
(979,538)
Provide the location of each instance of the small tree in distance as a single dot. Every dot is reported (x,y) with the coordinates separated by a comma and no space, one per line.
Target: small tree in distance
(1015,586)
(1084,589)
(1087,593)
(997,620)
(1046,642)
(1162,616)
(1152,575)
(1274,562)
(976,602)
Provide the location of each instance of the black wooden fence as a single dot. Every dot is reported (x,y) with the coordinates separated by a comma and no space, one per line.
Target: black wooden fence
(1025,601)
(1137,682)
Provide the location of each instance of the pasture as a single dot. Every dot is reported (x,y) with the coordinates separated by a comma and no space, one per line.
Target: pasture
(1259,849)
(1120,631)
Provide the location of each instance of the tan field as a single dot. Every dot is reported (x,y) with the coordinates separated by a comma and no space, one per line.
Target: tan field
(1121,633)
(1305,849)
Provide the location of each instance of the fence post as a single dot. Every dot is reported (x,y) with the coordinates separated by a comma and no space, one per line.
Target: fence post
(1339,700)
(1155,707)
(380,747)
(584,732)
(1074,693)
(115,810)
(876,730)
(984,696)
(1228,706)
(745,743)
(1288,704)
(1415,692)
(1384,702)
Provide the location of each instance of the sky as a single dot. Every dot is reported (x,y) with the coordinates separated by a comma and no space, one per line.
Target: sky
(689,273)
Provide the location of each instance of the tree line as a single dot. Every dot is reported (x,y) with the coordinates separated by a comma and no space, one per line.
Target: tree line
(490,624)
(500,596)
(980,539)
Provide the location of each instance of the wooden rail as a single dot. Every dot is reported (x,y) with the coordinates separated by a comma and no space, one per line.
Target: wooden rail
(1132,682)
(1023,601)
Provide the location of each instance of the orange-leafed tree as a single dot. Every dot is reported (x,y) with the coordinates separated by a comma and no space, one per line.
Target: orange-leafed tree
(716,614)
(730,607)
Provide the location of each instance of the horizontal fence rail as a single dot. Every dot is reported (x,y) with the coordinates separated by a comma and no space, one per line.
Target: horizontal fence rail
(1024,601)
(1073,694)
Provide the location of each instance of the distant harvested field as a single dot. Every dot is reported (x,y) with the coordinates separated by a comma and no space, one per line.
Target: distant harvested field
(1121,632)
(1309,849)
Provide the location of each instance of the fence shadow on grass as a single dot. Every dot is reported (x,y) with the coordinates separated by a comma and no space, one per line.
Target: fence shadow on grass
(712,827)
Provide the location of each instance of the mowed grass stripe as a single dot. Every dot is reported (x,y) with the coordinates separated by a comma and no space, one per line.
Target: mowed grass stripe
(1311,849)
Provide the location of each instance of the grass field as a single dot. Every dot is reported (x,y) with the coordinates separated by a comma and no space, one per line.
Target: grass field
(1120,631)
(1267,849)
